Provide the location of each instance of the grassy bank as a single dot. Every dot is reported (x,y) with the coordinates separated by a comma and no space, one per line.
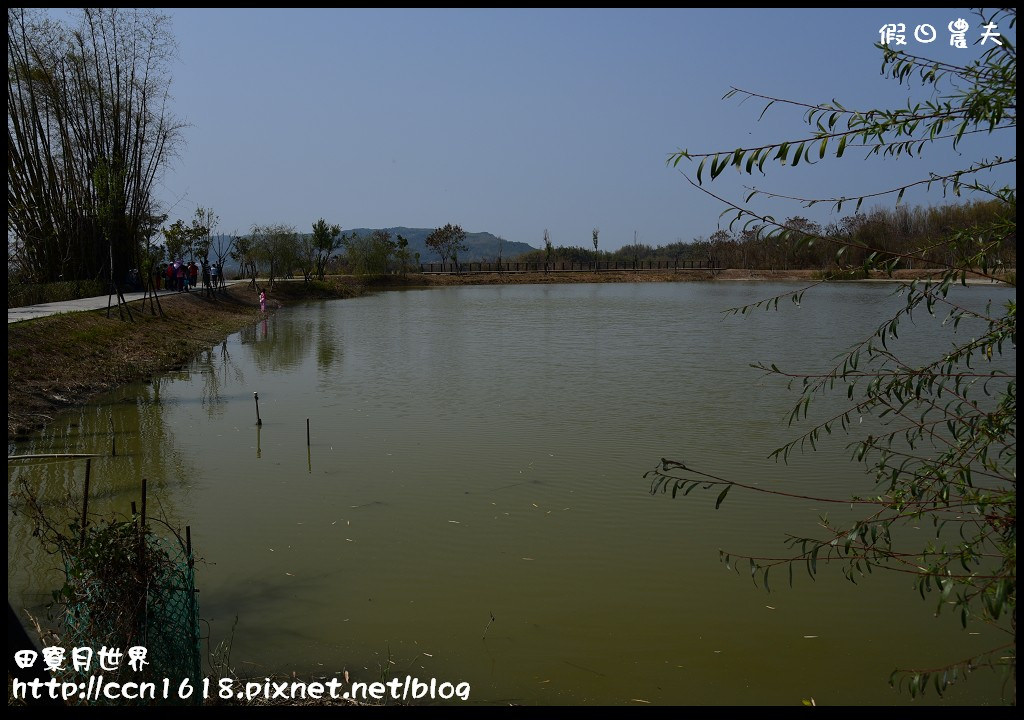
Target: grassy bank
(19,294)
(66,360)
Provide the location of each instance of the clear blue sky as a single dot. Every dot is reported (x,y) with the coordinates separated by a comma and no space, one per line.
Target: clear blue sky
(513,121)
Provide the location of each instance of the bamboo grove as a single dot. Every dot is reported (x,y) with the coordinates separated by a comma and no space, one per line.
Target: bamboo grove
(89,131)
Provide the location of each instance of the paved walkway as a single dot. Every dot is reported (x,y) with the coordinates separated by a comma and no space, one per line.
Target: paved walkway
(31,312)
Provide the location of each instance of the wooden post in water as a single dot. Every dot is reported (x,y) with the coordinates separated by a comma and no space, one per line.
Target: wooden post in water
(113,440)
(85,499)
(133,508)
(256,397)
(307,432)
(143,503)
(142,529)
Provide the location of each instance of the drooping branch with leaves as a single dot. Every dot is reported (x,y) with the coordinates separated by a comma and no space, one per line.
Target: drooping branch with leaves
(942,448)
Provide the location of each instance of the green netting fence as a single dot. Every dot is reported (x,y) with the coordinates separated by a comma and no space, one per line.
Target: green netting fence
(126,590)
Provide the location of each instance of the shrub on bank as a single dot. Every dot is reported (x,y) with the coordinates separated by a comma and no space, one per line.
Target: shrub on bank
(21,294)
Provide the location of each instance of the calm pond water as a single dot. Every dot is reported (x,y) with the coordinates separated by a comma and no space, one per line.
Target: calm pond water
(479,452)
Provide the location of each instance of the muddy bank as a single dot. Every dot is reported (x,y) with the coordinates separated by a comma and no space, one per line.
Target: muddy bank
(66,360)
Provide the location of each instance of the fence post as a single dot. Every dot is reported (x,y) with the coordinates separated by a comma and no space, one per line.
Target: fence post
(85,499)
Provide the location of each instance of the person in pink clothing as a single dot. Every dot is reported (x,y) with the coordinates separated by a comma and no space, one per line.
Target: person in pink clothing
(263,301)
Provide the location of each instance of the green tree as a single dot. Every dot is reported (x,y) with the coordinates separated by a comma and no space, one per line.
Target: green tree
(191,241)
(945,453)
(243,251)
(594,234)
(402,255)
(307,257)
(548,249)
(275,249)
(326,241)
(177,239)
(447,241)
(370,254)
(203,225)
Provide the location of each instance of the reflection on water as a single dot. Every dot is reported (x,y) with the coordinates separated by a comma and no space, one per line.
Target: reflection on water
(478,453)
(281,350)
(128,433)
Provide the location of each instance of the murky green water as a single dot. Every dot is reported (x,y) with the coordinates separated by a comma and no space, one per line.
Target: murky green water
(479,451)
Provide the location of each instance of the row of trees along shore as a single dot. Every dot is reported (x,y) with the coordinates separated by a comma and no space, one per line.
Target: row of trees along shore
(275,251)
(884,232)
(280,250)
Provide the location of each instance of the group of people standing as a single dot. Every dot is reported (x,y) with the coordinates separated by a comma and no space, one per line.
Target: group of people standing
(181,277)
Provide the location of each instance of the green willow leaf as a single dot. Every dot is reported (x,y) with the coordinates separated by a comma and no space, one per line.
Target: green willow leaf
(721,496)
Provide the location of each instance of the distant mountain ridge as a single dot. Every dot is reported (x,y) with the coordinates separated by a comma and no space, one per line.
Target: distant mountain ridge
(479,245)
